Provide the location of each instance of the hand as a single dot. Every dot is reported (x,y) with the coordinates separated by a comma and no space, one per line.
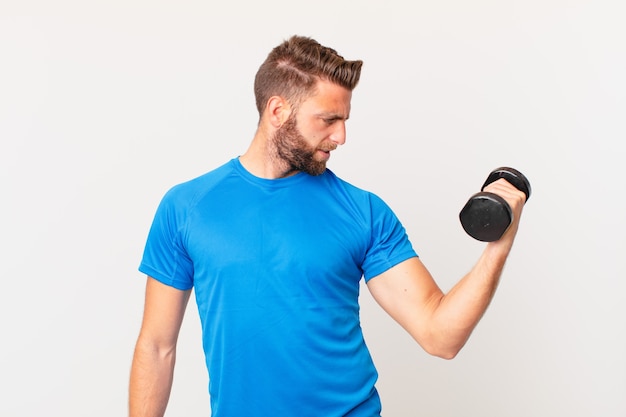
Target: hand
(514,197)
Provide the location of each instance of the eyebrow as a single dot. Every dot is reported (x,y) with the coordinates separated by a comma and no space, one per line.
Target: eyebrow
(332,116)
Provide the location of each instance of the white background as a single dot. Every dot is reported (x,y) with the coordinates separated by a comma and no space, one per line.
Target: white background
(106,104)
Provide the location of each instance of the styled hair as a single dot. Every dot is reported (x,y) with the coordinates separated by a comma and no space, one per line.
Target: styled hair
(292,69)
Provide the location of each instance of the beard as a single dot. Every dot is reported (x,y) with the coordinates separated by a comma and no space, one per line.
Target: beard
(293,149)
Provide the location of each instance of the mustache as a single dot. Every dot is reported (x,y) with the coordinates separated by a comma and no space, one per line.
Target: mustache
(328,147)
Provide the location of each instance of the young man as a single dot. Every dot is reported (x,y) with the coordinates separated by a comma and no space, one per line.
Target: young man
(275,245)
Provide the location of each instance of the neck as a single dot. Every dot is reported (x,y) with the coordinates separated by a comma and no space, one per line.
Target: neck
(262,160)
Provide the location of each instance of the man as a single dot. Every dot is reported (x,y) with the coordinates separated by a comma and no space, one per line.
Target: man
(275,245)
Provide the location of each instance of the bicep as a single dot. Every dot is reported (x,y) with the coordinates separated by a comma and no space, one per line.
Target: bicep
(408,293)
(164,310)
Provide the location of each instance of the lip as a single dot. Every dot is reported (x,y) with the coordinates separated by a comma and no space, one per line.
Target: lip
(325,154)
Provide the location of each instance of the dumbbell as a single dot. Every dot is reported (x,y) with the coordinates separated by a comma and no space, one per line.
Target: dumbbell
(486,216)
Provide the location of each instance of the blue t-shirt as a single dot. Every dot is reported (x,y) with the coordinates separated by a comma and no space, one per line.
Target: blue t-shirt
(275,266)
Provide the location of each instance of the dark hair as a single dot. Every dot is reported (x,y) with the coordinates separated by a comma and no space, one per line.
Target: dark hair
(292,69)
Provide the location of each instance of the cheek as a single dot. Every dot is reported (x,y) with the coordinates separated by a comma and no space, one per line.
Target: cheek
(313,131)
(311,136)
(318,133)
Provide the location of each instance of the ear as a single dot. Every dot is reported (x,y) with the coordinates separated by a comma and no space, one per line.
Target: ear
(277,111)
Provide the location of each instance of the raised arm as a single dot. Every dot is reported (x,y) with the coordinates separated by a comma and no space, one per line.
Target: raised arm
(155,352)
(442,323)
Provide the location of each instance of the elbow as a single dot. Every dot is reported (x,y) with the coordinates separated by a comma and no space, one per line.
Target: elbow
(447,353)
(442,348)
(444,343)
(155,349)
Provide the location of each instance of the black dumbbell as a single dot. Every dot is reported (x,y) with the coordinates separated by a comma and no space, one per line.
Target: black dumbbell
(486,216)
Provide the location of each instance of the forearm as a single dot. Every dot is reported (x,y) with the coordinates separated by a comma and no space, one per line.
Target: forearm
(458,312)
(150,380)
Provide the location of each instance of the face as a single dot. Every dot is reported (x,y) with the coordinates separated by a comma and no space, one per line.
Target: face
(305,140)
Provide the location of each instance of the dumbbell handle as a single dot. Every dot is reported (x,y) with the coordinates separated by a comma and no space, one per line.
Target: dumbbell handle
(516,178)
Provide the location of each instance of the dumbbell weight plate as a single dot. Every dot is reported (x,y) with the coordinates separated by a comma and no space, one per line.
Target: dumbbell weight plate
(486,216)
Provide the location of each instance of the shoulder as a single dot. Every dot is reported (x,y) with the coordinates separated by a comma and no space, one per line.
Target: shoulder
(355,192)
(190,191)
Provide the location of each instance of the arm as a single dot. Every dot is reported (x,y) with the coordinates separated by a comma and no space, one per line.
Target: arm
(155,352)
(442,323)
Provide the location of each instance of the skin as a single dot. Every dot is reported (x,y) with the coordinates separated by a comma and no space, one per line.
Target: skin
(321,122)
(439,322)
(155,352)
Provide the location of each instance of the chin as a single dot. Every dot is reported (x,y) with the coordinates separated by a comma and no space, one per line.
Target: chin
(315,168)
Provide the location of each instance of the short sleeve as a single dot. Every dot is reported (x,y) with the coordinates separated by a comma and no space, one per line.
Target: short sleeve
(389,243)
(165,257)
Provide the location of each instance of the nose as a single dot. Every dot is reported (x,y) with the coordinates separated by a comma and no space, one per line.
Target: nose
(338,135)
